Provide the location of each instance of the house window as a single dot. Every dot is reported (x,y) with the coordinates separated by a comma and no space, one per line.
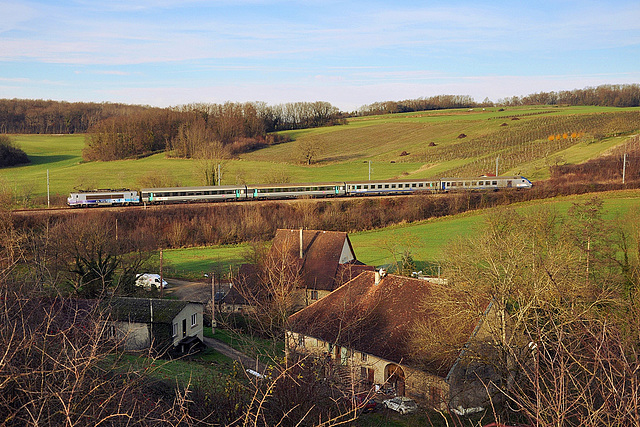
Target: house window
(364,374)
(175,329)
(301,340)
(363,357)
(111,331)
(314,294)
(194,319)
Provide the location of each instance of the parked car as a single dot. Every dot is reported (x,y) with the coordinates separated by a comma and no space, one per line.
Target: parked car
(401,404)
(362,402)
(149,280)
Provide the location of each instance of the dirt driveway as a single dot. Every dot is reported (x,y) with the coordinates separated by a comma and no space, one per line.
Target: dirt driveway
(189,291)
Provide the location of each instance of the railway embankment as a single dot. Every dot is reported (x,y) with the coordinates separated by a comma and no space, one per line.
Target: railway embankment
(201,224)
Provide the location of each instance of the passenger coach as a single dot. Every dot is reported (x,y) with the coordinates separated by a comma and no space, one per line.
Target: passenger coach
(484,183)
(193,194)
(391,187)
(281,191)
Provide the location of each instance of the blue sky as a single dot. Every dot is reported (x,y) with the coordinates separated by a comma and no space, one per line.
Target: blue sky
(349,53)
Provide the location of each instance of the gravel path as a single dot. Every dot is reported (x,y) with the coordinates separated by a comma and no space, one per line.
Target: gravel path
(246,361)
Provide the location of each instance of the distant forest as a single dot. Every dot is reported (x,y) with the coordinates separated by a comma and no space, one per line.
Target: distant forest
(214,131)
(605,95)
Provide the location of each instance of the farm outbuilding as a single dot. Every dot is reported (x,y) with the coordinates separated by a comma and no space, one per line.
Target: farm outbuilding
(156,324)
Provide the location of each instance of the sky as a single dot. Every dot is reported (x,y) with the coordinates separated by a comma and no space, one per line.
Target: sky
(348,53)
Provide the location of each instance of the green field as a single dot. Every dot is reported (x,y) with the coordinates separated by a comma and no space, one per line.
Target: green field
(518,136)
(425,240)
(193,263)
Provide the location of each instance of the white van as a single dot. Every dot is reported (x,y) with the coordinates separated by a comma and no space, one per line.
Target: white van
(148,280)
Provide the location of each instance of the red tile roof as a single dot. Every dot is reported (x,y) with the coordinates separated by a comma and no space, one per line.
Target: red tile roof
(321,255)
(376,319)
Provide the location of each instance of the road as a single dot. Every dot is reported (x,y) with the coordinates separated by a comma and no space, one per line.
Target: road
(189,291)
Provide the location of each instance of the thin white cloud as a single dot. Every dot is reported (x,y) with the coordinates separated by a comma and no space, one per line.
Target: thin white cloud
(15,15)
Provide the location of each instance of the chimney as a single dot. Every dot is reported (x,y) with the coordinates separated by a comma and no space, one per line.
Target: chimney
(379,275)
(301,252)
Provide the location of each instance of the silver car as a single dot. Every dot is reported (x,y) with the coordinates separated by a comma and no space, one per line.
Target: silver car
(401,404)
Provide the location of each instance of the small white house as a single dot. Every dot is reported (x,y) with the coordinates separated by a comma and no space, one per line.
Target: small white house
(157,324)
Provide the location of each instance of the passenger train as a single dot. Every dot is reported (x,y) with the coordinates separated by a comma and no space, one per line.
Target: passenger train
(125,197)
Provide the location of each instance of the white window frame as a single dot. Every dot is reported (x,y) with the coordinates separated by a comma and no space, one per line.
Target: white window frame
(175,329)
(194,319)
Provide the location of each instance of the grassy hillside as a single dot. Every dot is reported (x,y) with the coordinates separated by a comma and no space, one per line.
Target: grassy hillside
(396,145)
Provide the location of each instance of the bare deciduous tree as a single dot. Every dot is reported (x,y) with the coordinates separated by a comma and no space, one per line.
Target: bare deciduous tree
(565,347)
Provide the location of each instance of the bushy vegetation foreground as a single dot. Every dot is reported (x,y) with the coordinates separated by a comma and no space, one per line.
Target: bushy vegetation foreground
(10,155)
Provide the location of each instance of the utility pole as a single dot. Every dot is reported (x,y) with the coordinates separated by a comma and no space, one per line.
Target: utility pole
(369,170)
(161,286)
(497,165)
(213,303)
(49,204)
(624,167)
(218,174)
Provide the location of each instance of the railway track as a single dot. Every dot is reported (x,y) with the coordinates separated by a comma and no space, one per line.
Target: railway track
(68,210)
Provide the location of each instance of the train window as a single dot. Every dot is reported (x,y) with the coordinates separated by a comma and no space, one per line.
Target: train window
(393,186)
(453,184)
(414,185)
(474,183)
(467,183)
(365,187)
(358,187)
(448,184)
(494,183)
(379,185)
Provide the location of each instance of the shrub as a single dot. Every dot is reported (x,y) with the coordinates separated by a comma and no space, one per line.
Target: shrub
(10,155)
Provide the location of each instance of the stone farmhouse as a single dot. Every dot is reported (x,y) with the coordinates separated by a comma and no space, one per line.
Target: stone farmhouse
(366,328)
